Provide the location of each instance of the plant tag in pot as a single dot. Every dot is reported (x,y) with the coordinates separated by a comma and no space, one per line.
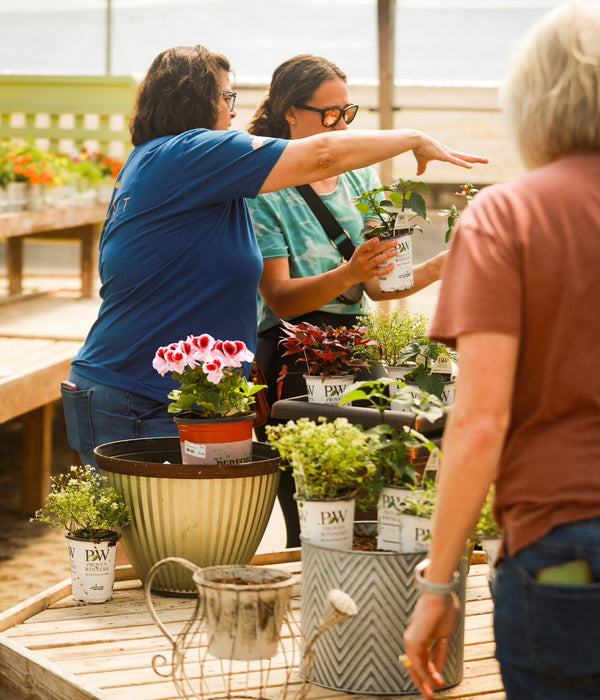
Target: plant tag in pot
(432,467)
(402,223)
(443,365)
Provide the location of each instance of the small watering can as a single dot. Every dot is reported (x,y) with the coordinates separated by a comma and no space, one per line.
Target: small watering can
(240,608)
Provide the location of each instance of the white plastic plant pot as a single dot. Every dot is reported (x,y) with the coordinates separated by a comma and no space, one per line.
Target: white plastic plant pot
(401,277)
(93,567)
(490,546)
(328,390)
(399,371)
(389,507)
(447,397)
(414,533)
(327,523)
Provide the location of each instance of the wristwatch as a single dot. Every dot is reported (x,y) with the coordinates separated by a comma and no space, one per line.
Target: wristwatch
(425,586)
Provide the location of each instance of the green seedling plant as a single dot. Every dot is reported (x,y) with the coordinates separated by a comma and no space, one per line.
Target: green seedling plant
(402,195)
(424,352)
(466,191)
(393,447)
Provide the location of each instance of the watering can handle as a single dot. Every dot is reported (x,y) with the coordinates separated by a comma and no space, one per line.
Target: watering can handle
(148,596)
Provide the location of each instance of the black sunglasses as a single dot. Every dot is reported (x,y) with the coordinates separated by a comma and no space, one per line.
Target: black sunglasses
(229,99)
(330,116)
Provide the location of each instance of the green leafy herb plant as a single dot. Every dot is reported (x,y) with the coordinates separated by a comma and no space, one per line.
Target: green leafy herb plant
(329,460)
(394,449)
(424,352)
(393,331)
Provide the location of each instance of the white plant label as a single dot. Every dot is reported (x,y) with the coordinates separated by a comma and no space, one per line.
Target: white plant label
(443,365)
(195,449)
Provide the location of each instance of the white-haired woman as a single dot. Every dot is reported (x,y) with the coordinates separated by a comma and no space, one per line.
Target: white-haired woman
(519,298)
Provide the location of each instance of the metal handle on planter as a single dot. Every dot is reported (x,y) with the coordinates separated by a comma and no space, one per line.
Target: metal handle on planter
(178,643)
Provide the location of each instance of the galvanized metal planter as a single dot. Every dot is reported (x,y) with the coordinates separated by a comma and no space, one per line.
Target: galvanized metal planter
(208,514)
(361,656)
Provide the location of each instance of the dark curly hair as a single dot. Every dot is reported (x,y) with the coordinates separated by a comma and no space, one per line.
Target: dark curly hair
(293,83)
(181,91)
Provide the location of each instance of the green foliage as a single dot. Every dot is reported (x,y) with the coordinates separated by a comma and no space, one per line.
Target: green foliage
(424,352)
(232,396)
(328,459)
(393,331)
(421,500)
(81,502)
(466,191)
(486,525)
(402,196)
(392,453)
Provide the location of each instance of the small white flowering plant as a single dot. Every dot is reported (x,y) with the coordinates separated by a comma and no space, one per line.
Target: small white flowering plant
(81,502)
(212,381)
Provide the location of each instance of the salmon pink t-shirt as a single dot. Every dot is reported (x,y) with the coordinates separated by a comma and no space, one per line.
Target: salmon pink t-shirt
(525,260)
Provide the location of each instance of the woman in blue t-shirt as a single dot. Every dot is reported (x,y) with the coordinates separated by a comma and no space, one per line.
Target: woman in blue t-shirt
(178,254)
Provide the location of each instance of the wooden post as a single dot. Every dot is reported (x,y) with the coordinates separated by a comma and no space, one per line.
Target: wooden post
(14,264)
(37,457)
(88,258)
(386,22)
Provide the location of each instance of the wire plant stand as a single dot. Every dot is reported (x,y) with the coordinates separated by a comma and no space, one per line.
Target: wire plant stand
(243,638)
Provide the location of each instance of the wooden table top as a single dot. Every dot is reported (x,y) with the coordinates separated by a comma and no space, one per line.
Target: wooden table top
(105,652)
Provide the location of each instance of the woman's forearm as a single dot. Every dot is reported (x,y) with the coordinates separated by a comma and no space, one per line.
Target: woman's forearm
(325,155)
(297,296)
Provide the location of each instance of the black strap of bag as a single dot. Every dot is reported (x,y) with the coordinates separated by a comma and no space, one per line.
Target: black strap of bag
(339,238)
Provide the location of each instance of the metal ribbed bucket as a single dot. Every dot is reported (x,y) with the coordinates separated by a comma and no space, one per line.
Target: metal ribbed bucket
(205,513)
(361,655)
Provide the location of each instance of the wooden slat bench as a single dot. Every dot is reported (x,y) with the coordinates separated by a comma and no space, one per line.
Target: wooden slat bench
(52,648)
(38,339)
(80,224)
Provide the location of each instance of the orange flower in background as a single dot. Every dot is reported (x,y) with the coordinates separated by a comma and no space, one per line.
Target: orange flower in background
(25,162)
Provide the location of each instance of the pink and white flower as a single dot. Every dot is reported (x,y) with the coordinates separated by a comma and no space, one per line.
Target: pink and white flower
(210,374)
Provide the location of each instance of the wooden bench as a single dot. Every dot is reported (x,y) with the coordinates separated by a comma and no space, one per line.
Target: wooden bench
(81,224)
(64,114)
(38,338)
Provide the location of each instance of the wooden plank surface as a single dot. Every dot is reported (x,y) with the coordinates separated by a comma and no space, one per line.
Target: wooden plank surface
(106,650)
(28,223)
(49,316)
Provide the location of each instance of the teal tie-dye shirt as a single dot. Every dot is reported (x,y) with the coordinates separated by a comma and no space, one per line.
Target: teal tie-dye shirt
(287,228)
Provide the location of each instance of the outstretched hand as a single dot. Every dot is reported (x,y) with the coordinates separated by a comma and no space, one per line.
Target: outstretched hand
(433,620)
(429,149)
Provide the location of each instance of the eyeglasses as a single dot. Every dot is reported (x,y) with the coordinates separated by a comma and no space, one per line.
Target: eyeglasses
(330,116)
(229,99)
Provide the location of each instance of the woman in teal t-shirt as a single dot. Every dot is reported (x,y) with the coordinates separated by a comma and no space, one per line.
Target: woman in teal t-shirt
(303,275)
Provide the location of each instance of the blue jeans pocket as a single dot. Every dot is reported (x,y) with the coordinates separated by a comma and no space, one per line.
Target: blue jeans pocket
(78,419)
(563,640)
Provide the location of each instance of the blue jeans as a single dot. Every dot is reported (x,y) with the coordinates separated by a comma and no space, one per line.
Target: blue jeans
(548,636)
(96,414)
